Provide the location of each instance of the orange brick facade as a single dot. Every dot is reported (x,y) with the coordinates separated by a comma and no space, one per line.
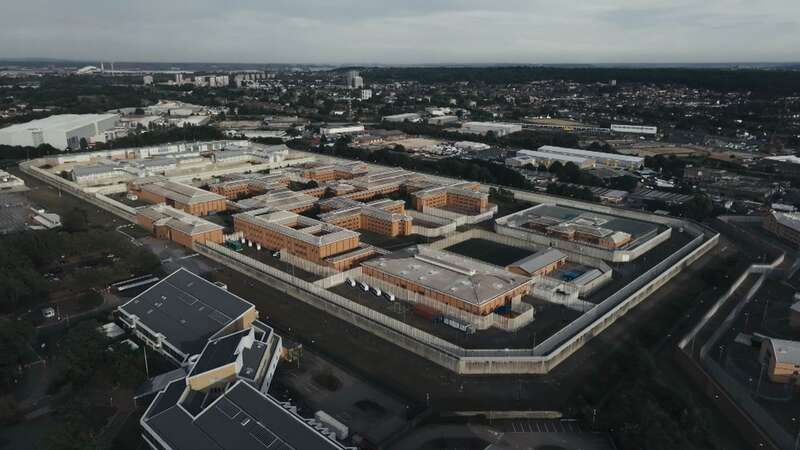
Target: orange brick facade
(197,209)
(483,309)
(274,240)
(184,239)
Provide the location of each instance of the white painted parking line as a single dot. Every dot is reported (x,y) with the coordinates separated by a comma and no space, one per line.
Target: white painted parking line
(513,425)
(538,428)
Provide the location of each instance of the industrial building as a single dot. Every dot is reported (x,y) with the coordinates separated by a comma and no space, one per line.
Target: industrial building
(61,131)
(469,285)
(166,222)
(785,225)
(536,159)
(405,117)
(610,160)
(335,132)
(180,313)
(182,196)
(634,129)
(301,236)
(499,129)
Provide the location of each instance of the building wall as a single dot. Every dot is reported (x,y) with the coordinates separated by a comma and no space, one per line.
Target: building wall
(783,232)
(550,268)
(274,240)
(482,310)
(221,374)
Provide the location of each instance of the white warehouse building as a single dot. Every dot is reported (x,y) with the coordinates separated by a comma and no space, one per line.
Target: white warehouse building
(61,130)
(498,128)
(602,159)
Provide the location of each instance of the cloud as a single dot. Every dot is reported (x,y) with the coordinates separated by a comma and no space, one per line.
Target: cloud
(403,32)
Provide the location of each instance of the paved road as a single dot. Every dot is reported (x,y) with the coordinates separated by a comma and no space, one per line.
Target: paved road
(503,436)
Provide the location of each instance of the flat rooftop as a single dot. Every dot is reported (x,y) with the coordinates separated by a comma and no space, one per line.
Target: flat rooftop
(242,418)
(187,309)
(555,215)
(468,280)
(590,154)
(296,226)
(177,219)
(179,192)
(65,122)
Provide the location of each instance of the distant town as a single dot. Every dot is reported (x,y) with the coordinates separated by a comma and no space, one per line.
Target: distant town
(314,257)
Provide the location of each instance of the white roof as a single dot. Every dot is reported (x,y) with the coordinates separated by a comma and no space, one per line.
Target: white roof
(64,122)
(556,156)
(789,220)
(590,154)
(785,352)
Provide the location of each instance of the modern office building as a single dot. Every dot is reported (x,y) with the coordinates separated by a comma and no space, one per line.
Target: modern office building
(499,129)
(353,80)
(166,222)
(180,313)
(610,160)
(467,284)
(61,131)
(182,196)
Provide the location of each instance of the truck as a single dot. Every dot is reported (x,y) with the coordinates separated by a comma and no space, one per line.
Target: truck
(458,324)
(234,245)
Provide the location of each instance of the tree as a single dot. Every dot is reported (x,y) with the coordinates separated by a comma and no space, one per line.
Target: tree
(15,337)
(75,220)
(83,348)
(699,207)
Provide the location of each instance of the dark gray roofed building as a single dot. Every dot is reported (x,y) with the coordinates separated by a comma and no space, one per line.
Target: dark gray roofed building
(179,314)
(241,418)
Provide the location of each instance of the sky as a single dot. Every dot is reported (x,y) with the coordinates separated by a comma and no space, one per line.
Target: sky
(403,31)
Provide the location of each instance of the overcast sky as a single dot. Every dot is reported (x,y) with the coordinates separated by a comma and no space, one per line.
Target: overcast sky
(403,31)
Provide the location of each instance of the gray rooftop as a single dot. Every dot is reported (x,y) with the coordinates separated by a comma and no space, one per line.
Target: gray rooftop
(539,260)
(469,280)
(242,419)
(187,309)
